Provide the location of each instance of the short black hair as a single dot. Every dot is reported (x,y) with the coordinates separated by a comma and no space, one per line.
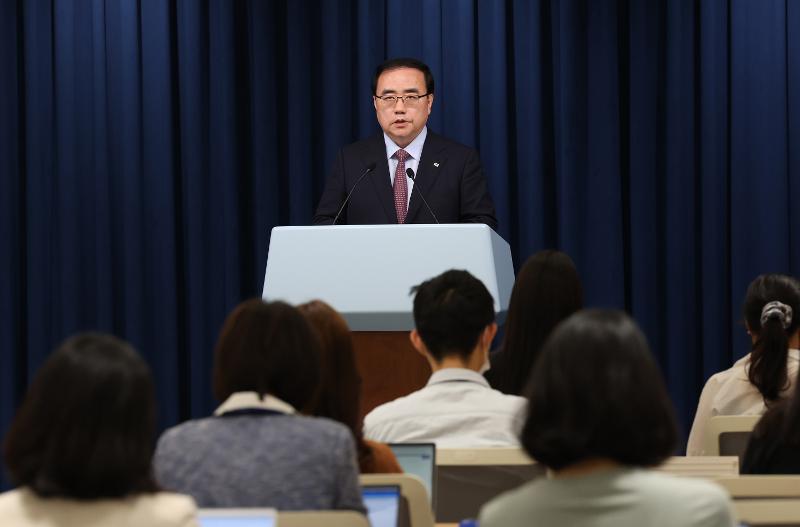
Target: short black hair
(596,392)
(85,429)
(450,312)
(404,62)
(267,348)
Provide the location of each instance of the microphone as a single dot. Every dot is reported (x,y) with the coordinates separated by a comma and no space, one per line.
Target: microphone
(412,177)
(370,168)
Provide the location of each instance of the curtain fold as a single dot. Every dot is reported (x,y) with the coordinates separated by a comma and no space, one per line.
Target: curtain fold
(147,147)
(12,220)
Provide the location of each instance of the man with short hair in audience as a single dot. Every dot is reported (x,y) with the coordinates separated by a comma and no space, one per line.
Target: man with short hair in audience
(454,319)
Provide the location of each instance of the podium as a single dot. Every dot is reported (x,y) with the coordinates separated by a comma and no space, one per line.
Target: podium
(366,272)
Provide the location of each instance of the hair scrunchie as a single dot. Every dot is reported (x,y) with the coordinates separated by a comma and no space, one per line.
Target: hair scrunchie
(778,311)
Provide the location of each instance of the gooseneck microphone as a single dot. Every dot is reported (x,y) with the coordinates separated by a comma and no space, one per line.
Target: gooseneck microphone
(412,177)
(370,168)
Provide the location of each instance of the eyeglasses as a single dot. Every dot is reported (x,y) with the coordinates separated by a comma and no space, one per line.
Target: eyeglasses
(390,100)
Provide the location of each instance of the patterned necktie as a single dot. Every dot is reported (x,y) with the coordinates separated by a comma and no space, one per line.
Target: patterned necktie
(400,186)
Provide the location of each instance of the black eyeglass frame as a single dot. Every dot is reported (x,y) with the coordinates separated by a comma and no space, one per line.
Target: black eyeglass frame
(387,99)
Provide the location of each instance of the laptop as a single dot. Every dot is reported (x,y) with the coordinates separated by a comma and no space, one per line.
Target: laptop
(383,504)
(237,517)
(418,459)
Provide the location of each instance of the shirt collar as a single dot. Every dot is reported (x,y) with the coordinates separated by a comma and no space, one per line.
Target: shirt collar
(414,149)
(457,374)
(250,400)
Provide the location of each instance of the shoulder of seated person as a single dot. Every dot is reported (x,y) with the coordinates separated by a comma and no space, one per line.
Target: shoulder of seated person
(191,424)
(720,378)
(682,487)
(323,425)
(11,497)
(512,400)
(170,507)
(177,502)
(524,496)
(393,405)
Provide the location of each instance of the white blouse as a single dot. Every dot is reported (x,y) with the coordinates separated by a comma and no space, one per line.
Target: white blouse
(730,392)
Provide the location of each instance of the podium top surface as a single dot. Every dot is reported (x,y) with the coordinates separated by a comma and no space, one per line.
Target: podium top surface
(366,271)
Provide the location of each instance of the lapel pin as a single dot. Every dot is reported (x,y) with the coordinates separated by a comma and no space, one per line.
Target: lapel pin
(436,165)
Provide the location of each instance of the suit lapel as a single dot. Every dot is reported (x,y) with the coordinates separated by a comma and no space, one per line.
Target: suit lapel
(431,162)
(380,179)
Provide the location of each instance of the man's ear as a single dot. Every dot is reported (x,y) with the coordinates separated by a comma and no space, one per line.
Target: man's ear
(416,341)
(488,334)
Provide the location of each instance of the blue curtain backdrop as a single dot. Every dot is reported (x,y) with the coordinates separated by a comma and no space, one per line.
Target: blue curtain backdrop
(147,147)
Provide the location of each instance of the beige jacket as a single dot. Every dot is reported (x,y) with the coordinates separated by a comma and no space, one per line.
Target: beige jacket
(23,508)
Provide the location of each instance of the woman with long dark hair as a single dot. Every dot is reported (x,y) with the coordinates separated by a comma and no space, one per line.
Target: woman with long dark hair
(547,290)
(765,375)
(339,394)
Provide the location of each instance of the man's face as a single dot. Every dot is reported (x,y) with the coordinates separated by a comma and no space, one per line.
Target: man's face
(401,121)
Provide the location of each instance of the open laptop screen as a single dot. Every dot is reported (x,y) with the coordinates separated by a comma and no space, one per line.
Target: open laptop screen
(237,517)
(418,459)
(382,503)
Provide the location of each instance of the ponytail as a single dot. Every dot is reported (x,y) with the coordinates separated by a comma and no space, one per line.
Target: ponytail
(768,361)
(772,313)
(767,370)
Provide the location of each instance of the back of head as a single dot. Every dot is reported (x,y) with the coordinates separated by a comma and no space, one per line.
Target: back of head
(596,392)
(85,429)
(771,310)
(547,290)
(450,312)
(339,392)
(267,348)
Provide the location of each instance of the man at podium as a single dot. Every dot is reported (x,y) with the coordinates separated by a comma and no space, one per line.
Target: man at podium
(407,174)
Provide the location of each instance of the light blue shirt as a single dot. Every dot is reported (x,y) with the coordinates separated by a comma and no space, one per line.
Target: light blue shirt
(414,150)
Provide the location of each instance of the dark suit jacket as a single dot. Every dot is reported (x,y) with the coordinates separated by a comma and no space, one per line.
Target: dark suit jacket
(449,176)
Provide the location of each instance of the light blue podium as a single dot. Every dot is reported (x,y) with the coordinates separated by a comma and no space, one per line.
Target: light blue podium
(366,272)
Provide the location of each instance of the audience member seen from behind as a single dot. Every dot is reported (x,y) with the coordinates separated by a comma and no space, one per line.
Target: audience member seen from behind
(547,290)
(454,319)
(774,446)
(339,396)
(256,451)
(81,445)
(598,416)
(767,373)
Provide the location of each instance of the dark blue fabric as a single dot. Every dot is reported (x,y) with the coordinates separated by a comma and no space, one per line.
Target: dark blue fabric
(147,147)
(13,331)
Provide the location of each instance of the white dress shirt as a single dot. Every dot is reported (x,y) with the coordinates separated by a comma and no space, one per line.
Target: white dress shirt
(730,392)
(414,150)
(456,409)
